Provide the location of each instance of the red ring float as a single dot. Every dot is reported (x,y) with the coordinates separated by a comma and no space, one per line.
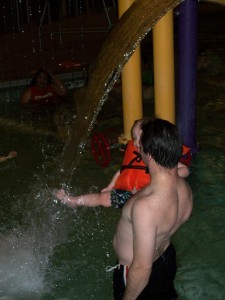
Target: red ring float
(100,149)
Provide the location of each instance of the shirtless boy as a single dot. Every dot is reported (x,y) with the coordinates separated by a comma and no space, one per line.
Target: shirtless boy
(146,257)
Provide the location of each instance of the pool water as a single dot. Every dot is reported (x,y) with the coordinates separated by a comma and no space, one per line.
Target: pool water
(200,243)
(49,251)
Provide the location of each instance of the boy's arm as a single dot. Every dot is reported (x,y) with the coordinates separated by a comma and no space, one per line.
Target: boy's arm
(144,237)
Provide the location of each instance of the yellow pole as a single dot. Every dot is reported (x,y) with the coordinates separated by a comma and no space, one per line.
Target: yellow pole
(131,84)
(163,56)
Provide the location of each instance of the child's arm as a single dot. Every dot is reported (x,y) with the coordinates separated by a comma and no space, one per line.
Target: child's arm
(183,170)
(11,155)
(112,182)
(26,97)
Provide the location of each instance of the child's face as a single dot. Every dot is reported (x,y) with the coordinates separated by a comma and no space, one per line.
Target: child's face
(41,80)
(136,134)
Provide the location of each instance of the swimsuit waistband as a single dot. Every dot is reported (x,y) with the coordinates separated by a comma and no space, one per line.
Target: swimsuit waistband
(169,250)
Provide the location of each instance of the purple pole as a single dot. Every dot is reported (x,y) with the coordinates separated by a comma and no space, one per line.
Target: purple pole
(187,14)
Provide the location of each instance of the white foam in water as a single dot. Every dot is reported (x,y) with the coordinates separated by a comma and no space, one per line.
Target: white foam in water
(23,263)
(25,254)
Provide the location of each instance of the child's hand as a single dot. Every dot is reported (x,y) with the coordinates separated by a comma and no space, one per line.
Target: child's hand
(61,195)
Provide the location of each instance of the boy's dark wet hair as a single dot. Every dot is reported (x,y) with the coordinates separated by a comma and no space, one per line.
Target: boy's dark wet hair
(162,141)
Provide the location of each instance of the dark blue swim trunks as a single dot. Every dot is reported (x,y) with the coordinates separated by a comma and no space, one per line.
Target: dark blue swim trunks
(119,197)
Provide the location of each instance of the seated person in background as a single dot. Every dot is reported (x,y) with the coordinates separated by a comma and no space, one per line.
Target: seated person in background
(132,177)
(44,89)
(11,155)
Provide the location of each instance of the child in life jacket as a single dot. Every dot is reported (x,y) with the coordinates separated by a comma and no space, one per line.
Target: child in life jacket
(132,176)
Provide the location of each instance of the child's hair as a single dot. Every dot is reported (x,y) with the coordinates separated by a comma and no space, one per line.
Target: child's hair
(141,121)
(34,79)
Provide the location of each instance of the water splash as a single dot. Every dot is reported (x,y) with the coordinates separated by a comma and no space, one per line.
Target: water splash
(26,249)
(24,260)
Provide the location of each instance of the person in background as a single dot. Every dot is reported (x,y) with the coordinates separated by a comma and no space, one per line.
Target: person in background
(44,89)
(132,176)
(11,155)
(145,255)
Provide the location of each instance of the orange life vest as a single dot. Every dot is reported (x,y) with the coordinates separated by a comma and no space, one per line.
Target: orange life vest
(133,171)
